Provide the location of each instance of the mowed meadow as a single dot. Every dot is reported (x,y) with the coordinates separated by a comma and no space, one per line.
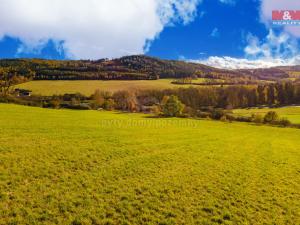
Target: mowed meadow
(88,87)
(90,167)
(292,113)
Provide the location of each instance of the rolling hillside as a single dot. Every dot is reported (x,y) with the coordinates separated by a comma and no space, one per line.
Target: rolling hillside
(140,67)
(126,68)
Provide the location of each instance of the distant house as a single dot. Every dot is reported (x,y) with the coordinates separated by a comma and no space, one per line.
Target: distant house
(148,109)
(22,92)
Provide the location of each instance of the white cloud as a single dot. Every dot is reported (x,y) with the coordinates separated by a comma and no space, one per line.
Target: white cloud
(229,2)
(92,28)
(252,48)
(202,14)
(276,50)
(282,45)
(215,32)
(238,63)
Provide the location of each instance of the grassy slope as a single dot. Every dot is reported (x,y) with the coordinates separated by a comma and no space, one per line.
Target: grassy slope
(291,113)
(60,166)
(88,87)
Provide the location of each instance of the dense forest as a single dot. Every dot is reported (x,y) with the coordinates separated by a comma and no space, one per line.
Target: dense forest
(137,67)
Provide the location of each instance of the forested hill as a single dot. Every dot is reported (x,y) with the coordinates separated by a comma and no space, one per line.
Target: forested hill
(138,67)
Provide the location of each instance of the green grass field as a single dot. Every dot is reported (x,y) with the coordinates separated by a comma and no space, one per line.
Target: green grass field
(88,87)
(90,167)
(292,113)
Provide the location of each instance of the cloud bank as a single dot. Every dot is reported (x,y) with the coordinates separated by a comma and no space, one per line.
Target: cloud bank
(91,29)
(275,50)
(227,62)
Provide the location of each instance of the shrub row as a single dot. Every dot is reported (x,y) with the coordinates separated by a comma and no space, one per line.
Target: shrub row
(150,102)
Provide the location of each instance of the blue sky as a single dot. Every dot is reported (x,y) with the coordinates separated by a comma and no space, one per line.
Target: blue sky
(208,31)
(231,23)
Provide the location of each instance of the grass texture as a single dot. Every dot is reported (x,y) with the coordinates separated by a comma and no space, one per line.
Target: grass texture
(89,167)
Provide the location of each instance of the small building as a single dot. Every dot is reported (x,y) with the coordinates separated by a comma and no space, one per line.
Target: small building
(22,92)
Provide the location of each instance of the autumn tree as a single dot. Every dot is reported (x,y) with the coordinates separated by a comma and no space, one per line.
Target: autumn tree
(3,81)
(126,100)
(109,104)
(290,92)
(171,106)
(8,78)
(271,94)
(98,98)
(271,117)
(261,94)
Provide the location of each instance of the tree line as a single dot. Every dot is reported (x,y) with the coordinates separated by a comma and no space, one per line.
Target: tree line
(206,102)
(231,97)
(227,97)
